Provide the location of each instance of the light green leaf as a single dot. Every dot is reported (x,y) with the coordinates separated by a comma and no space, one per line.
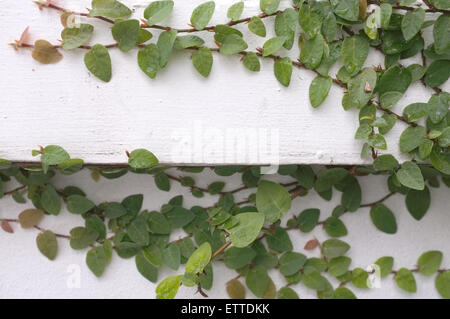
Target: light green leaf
(386,264)
(355,50)
(168,288)
(273,45)
(235,11)
(272,200)
(410,176)
(430,262)
(109,8)
(251,62)
(75,37)
(142,159)
(441,34)
(148,60)
(233,44)
(256,25)
(77,204)
(203,61)
(283,70)
(346,9)
(126,33)
(269,6)
(405,280)
(202,15)
(247,230)
(412,23)
(411,138)
(312,52)
(443,284)
(319,89)
(158,11)
(98,62)
(81,238)
(332,248)
(47,244)
(146,268)
(335,227)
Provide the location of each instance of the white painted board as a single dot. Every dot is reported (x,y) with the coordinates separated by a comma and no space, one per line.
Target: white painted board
(232,117)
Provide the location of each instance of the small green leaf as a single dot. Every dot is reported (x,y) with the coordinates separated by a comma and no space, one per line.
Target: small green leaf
(411,138)
(412,23)
(203,61)
(235,289)
(188,41)
(383,218)
(235,11)
(405,280)
(308,219)
(329,177)
(335,227)
(257,280)
(142,159)
(233,44)
(109,8)
(443,284)
(115,210)
(283,71)
(53,155)
(440,34)
(319,89)
(269,6)
(50,200)
(75,37)
(148,60)
(354,51)
(251,62)
(81,238)
(158,11)
(168,288)
(410,176)
(287,293)
(339,266)
(385,163)
(30,218)
(137,231)
(291,263)
(98,62)
(312,52)
(418,202)
(273,45)
(171,256)
(386,264)
(197,262)
(344,293)
(437,73)
(77,204)
(126,33)
(247,230)
(430,262)
(165,44)
(162,182)
(236,258)
(202,15)
(256,25)
(332,248)
(146,268)
(346,9)
(279,240)
(47,244)
(272,200)
(415,111)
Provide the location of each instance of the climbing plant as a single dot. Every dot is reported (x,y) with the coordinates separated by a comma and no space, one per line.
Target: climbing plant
(251,236)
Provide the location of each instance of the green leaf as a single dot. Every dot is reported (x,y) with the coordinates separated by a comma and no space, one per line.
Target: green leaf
(188,41)
(308,219)
(251,62)
(279,240)
(358,93)
(329,177)
(137,231)
(126,33)
(179,217)
(236,258)
(98,62)
(443,284)
(377,141)
(168,288)
(412,23)
(256,26)
(346,9)
(95,223)
(286,25)
(158,11)
(411,138)
(438,107)
(81,238)
(269,6)
(30,218)
(162,182)
(310,21)
(115,210)
(405,280)
(142,159)
(233,44)
(202,15)
(418,202)
(339,266)
(75,37)
(437,73)
(440,159)
(287,293)
(197,262)
(440,34)
(383,218)
(165,44)
(234,13)
(235,289)
(53,155)
(344,293)
(96,260)
(291,263)
(47,244)
(430,262)
(355,50)
(146,268)
(273,45)
(312,52)
(332,248)
(386,264)
(77,204)
(272,200)
(283,71)
(247,230)
(314,280)
(158,224)
(71,166)
(319,89)
(171,256)
(143,36)
(360,278)
(415,111)
(50,200)
(410,176)
(335,227)
(109,8)
(385,163)
(392,84)
(148,60)
(203,61)
(257,280)
(444,138)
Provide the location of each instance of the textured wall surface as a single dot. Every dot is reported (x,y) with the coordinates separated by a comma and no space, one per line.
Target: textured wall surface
(24,272)
(180,116)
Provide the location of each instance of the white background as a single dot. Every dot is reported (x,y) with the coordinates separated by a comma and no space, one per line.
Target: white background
(24,272)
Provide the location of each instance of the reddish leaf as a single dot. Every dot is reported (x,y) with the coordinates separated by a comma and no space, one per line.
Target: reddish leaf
(6,227)
(24,37)
(312,244)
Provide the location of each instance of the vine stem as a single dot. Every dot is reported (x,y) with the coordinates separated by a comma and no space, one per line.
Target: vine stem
(36,227)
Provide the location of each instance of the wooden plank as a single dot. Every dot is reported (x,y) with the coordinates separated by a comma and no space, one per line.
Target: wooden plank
(232,117)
